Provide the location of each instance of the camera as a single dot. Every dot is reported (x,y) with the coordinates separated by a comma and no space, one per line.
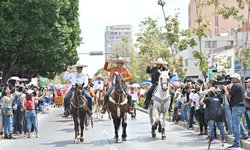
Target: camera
(223,80)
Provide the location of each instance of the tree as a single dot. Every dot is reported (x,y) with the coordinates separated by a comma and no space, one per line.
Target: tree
(156,41)
(201,32)
(38,37)
(243,53)
(176,40)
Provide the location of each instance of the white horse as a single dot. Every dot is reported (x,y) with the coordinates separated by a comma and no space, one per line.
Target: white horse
(159,109)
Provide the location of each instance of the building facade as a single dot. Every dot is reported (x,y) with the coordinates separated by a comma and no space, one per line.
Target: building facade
(218,25)
(209,46)
(115,34)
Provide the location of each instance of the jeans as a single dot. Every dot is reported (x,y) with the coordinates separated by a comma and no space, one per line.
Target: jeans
(191,119)
(186,113)
(211,125)
(8,122)
(31,118)
(237,112)
(69,94)
(228,116)
(18,121)
(201,119)
(247,115)
(1,120)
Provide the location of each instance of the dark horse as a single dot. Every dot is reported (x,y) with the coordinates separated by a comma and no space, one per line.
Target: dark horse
(79,108)
(118,107)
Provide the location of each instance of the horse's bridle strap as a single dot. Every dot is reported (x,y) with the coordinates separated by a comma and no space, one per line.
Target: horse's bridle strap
(160,100)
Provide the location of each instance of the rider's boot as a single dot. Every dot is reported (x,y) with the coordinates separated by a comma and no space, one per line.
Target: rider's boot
(130,109)
(146,104)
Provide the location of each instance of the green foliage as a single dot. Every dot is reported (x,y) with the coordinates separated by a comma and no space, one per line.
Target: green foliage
(165,41)
(38,37)
(243,54)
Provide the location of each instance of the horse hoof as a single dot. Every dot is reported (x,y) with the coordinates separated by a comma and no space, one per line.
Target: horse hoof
(124,139)
(153,135)
(81,139)
(75,141)
(117,140)
(163,137)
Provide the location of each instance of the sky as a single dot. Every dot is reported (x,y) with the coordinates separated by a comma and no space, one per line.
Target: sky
(95,15)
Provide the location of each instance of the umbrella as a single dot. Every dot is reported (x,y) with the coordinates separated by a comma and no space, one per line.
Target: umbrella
(24,80)
(14,78)
(147,83)
(175,78)
(136,85)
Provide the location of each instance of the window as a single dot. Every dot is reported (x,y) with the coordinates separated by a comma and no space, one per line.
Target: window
(230,42)
(186,62)
(214,44)
(207,44)
(210,44)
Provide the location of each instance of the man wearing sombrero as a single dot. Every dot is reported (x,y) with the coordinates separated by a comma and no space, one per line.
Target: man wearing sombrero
(126,75)
(155,74)
(76,77)
(98,84)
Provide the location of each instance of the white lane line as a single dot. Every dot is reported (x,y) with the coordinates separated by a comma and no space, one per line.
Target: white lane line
(111,147)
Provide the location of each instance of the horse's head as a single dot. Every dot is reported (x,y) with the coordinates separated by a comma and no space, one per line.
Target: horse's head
(118,82)
(79,94)
(164,80)
(79,89)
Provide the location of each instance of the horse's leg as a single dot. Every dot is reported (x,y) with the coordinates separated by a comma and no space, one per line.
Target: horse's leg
(124,126)
(164,117)
(153,126)
(82,126)
(75,125)
(115,122)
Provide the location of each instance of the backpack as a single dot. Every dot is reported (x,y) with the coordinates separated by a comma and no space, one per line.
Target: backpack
(28,105)
(16,104)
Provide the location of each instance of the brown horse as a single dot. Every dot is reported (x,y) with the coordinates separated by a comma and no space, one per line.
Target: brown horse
(99,100)
(78,107)
(118,107)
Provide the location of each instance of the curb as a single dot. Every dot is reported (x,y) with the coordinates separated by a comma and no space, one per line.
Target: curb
(244,143)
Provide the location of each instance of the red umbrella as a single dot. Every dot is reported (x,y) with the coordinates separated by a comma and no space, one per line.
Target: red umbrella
(14,78)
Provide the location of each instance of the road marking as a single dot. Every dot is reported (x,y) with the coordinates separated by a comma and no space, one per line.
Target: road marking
(111,147)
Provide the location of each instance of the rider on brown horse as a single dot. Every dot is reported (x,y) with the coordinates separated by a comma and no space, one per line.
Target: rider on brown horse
(126,75)
(76,77)
(98,83)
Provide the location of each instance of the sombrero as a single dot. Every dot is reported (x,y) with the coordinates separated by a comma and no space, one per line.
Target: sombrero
(99,76)
(160,61)
(78,64)
(119,60)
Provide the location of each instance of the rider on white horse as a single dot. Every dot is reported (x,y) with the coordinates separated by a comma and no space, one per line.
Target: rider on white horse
(155,74)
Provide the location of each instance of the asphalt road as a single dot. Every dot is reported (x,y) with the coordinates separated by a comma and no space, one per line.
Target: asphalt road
(57,132)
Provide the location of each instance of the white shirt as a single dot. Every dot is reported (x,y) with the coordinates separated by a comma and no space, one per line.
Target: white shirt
(98,84)
(196,99)
(75,77)
(191,97)
(134,96)
(179,94)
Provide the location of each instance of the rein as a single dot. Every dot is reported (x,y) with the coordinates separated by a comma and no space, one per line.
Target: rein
(77,98)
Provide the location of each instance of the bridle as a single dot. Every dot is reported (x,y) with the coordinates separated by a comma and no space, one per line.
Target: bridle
(79,97)
(162,83)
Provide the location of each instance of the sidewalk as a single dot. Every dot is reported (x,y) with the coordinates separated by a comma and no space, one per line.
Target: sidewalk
(245,143)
